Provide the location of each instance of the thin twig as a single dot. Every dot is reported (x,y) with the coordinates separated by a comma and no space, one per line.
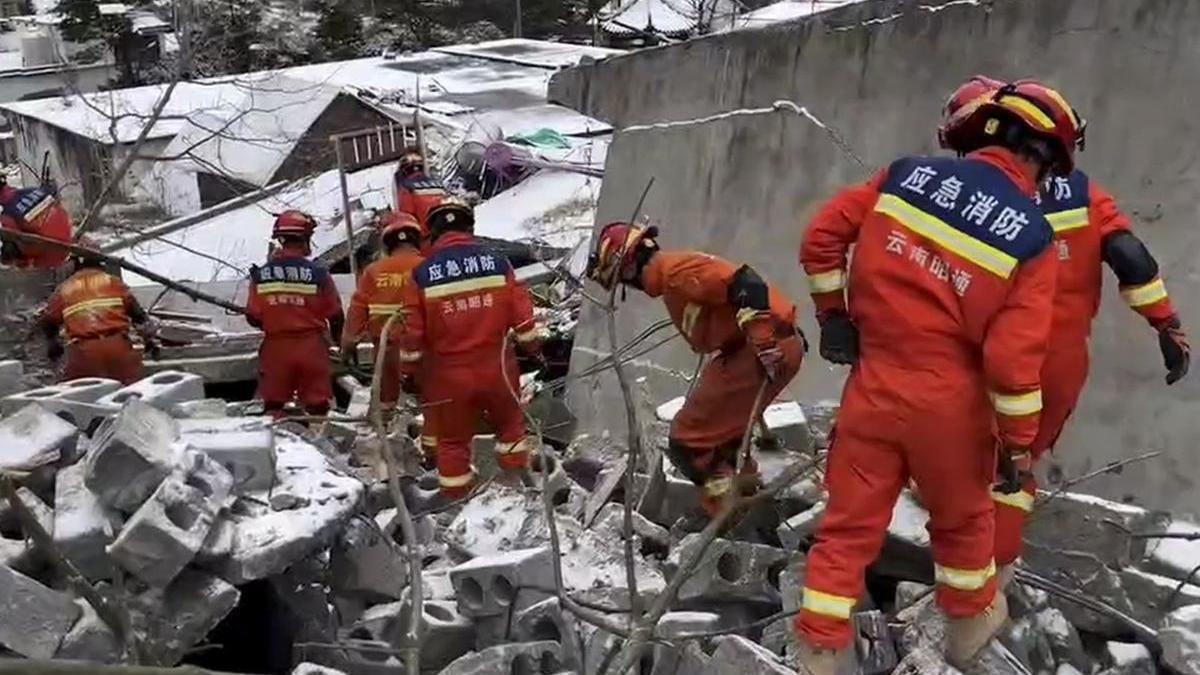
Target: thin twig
(412,637)
(1111,467)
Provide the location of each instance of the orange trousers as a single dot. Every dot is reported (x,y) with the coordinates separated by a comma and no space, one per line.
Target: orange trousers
(457,391)
(111,356)
(1064,373)
(708,430)
(295,366)
(934,426)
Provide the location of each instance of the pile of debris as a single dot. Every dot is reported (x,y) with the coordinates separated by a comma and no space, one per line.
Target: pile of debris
(168,506)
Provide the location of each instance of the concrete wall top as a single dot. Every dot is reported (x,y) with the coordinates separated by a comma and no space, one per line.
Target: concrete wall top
(744,187)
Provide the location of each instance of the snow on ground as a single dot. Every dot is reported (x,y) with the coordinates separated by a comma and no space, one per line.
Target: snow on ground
(1177,554)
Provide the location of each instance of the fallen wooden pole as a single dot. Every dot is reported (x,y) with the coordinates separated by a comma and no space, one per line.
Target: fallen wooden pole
(13,235)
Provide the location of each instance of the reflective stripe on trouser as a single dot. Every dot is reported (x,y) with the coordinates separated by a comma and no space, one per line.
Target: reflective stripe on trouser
(1064,373)
(514,454)
(894,424)
(462,389)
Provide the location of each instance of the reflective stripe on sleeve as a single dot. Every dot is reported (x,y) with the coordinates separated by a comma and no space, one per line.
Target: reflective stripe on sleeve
(827,282)
(1018,404)
(1020,500)
(963,579)
(827,604)
(1146,294)
(1064,221)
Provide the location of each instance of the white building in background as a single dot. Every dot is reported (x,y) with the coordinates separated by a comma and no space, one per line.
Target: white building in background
(786,11)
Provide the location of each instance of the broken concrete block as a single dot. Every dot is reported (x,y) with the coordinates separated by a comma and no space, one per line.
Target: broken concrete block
(204,409)
(1129,659)
(530,657)
(264,542)
(365,562)
(906,553)
(1064,641)
(169,529)
(798,530)
(90,639)
(491,585)
(611,523)
(1072,524)
(785,421)
(445,633)
(83,525)
(924,660)
(86,390)
(1067,669)
(1179,638)
(303,590)
(667,411)
(731,571)
(171,620)
(314,669)
(33,437)
(873,643)
(131,454)
(909,592)
(12,377)
(245,446)
(162,390)
(1173,557)
(670,654)
(492,630)
(608,482)
(735,655)
(35,618)
(546,621)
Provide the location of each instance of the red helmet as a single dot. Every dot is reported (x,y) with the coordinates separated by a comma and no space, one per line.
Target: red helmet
(451,213)
(292,223)
(614,259)
(410,162)
(961,104)
(1026,107)
(401,226)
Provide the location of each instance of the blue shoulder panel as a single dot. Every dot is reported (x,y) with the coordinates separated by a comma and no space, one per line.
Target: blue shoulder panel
(1065,194)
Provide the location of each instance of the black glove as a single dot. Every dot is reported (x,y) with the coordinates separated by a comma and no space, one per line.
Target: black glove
(408,384)
(839,338)
(1013,467)
(1176,353)
(54,350)
(153,350)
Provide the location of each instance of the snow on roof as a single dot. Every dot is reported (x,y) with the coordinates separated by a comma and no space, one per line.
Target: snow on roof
(786,10)
(238,238)
(249,141)
(649,15)
(530,52)
(547,116)
(145,23)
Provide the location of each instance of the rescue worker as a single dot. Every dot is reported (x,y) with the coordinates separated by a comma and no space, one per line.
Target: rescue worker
(35,211)
(951,294)
(1089,229)
(460,308)
(294,302)
(416,191)
(380,295)
(721,309)
(95,309)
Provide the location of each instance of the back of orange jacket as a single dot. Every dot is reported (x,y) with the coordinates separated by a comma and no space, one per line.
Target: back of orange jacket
(953,273)
(695,288)
(91,304)
(463,302)
(292,295)
(416,195)
(39,212)
(380,293)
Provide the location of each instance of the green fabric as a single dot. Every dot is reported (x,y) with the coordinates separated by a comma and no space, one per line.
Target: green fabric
(542,138)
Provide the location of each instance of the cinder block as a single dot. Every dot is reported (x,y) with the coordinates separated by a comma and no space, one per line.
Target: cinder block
(130,456)
(75,400)
(363,562)
(735,654)
(83,525)
(530,657)
(33,438)
(35,618)
(671,656)
(245,446)
(161,390)
(169,529)
(798,530)
(785,421)
(171,620)
(90,639)
(546,621)
(491,585)
(731,571)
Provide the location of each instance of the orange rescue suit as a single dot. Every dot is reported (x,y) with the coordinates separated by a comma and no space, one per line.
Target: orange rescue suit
(951,288)
(460,309)
(294,302)
(707,432)
(35,211)
(1083,215)
(416,195)
(379,295)
(95,310)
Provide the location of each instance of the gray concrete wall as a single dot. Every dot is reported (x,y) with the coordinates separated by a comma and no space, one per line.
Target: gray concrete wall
(744,187)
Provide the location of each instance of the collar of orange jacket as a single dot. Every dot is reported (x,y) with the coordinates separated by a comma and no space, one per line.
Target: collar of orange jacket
(1007,161)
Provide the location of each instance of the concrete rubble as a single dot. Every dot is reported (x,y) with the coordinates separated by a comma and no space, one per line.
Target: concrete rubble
(201,508)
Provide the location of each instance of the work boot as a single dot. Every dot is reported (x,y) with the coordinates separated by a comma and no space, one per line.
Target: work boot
(966,636)
(815,660)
